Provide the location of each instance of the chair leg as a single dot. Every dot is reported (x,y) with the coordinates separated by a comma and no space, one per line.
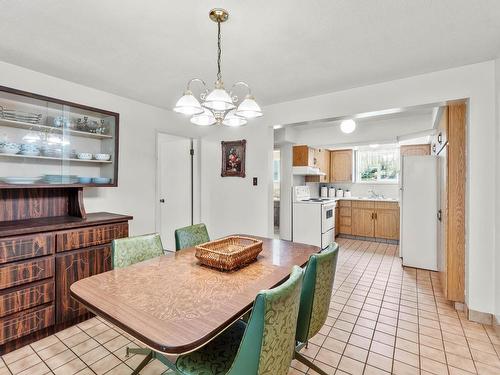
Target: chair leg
(143,364)
(299,357)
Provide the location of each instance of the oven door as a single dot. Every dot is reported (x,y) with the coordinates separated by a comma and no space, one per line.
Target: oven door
(327,217)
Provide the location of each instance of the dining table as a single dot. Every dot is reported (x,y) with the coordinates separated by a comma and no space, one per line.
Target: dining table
(174,305)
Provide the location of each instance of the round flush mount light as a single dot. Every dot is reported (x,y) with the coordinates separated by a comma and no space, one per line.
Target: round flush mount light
(348,126)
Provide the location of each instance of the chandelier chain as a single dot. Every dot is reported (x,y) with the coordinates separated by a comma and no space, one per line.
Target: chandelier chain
(219,52)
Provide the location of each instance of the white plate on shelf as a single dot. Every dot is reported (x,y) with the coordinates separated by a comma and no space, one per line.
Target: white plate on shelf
(21,180)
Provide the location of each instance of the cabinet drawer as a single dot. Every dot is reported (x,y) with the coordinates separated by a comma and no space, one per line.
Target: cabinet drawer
(24,272)
(363,204)
(345,221)
(26,297)
(26,322)
(345,211)
(344,203)
(86,237)
(387,205)
(23,247)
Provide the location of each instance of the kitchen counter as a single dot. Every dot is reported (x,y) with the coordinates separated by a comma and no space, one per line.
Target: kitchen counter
(367,199)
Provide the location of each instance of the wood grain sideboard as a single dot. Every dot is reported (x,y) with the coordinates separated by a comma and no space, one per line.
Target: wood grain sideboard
(47,242)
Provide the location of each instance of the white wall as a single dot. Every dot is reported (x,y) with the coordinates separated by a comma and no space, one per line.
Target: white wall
(476,82)
(368,131)
(233,204)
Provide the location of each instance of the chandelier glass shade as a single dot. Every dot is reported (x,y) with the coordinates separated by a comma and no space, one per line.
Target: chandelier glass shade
(218,106)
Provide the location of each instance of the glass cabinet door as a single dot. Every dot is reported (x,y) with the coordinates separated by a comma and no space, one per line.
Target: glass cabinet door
(47,141)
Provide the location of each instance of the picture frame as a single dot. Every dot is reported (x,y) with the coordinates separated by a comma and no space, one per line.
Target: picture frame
(233,158)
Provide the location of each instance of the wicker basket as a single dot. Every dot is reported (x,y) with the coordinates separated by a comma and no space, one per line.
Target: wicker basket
(229,253)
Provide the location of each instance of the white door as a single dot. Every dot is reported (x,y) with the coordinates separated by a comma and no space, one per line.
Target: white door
(175,186)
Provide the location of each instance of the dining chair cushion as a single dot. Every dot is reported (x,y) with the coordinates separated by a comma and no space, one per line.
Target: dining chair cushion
(130,250)
(316,292)
(191,236)
(263,346)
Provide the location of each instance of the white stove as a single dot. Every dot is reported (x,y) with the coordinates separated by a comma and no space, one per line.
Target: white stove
(313,219)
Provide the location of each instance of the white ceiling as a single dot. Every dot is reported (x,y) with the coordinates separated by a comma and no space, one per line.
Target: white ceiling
(285,49)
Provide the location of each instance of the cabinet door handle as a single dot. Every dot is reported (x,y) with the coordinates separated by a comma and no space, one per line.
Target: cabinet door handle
(372,216)
(439,215)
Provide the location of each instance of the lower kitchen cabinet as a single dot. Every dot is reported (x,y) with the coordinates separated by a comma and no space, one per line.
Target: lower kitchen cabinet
(387,224)
(363,222)
(370,219)
(71,267)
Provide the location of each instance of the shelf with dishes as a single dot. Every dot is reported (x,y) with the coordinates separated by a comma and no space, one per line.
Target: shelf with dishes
(42,136)
(52,129)
(55,179)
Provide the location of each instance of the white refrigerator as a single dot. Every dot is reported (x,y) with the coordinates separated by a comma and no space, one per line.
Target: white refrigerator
(419,207)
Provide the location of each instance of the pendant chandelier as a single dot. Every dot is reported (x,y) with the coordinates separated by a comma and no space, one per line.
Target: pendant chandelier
(218,106)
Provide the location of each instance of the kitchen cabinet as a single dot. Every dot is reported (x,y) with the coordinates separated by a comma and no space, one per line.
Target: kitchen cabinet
(303,156)
(322,161)
(344,216)
(370,219)
(363,222)
(451,229)
(414,150)
(386,223)
(341,162)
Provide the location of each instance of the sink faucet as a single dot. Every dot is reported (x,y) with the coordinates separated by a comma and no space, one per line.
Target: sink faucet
(375,195)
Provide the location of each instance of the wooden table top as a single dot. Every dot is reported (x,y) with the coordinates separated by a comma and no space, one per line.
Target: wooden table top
(174,305)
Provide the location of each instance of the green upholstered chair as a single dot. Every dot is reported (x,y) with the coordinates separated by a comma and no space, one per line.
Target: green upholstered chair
(315,299)
(263,346)
(130,250)
(191,236)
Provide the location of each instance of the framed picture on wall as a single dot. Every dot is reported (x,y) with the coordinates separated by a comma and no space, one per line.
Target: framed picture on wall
(233,158)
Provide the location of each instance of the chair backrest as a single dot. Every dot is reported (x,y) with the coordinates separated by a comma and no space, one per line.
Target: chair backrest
(316,292)
(130,250)
(191,236)
(268,344)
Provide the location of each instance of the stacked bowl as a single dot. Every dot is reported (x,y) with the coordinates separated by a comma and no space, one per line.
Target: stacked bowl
(30,149)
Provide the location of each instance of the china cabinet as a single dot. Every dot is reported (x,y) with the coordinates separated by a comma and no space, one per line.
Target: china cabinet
(46,141)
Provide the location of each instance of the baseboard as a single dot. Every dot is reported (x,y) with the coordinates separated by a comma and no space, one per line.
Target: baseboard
(478,316)
(496,324)
(372,239)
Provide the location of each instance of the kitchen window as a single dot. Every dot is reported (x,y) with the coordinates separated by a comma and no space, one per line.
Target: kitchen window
(378,164)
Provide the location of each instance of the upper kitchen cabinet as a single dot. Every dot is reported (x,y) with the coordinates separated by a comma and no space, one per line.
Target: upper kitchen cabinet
(305,156)
(341,165)
(322,160)
(415,150)
(46,141)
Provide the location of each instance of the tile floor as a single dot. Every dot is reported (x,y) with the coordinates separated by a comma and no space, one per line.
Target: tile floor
(383,319)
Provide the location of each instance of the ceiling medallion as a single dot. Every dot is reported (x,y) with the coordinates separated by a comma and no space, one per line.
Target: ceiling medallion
(218,106)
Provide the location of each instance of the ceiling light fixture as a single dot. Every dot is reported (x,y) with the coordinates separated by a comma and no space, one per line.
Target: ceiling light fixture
(348,126)
(218,106)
